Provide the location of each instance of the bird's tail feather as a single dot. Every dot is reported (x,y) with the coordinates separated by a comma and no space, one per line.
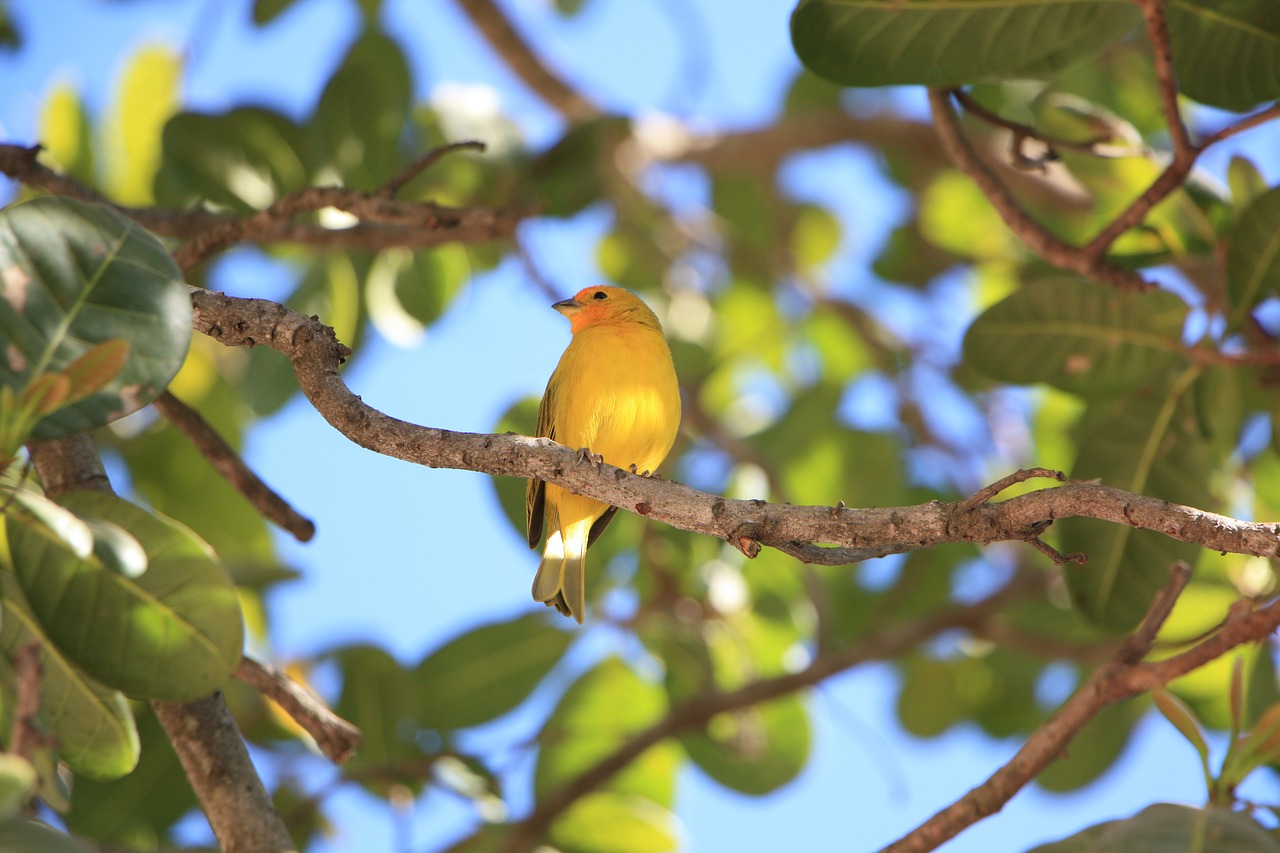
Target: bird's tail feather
(560,578)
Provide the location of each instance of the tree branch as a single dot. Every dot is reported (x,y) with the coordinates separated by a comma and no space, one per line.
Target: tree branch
(1123,677)
(506,40)
(229,464)
(336,738)
(203,733)
(818,534)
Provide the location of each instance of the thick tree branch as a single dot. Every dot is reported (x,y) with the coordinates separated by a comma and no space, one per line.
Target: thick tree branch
(816,534)
(384,222)
(228,463)
(1122,678)
(203,733)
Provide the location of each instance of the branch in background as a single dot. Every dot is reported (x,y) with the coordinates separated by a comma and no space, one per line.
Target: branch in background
(1037,238)
(1021,133)
(392,187)
(25,735)
(385,223)
(203,733)
(493,23)
(697,712)
(1123,677)
(228,463)
(807,531)
(336,738)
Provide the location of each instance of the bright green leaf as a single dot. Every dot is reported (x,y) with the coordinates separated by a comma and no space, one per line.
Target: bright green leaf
(17,784)
(173,632)
(147,96)
(605,822)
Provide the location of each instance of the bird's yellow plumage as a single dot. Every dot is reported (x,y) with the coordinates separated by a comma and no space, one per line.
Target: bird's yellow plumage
(614,392)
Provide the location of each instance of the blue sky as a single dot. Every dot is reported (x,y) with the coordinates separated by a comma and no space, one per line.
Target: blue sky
(443,558)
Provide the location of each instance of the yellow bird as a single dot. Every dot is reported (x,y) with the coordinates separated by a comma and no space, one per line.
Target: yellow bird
(614,393)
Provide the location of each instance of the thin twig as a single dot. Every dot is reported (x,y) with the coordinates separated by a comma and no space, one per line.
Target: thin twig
(1037,238)
(25,736)
(336,738)
(228,463)
(988,492)
(1022,132)
(392,187)
(1123,677)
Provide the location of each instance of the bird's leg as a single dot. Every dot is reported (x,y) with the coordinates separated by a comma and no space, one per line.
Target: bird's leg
(585,455)
(644,473)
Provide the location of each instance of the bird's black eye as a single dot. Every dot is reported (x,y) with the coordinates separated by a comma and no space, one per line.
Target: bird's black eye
(599,295)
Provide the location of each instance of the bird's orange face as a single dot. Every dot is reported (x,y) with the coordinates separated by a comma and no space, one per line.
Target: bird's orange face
(604,304)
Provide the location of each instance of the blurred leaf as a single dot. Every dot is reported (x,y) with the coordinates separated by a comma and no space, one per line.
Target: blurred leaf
(1253,255)
(172,632)
(570,175)
(17,785)
(266,11)
(815,237)
(147,96)
(956,216)
(25,835)
(1227,53)
(1147,444)
(909,258)
(408,291)
(382,699)
(66,134)
(1078,336)
(487,672)
(1166,828)
(605,822)
(139,809)
(1093,750)
(78,275)
(928,704)
(600,712)
(521,418)
(890,42)
(1246,182)
(1184,721)
(244,159)
(362,113)
(93,724)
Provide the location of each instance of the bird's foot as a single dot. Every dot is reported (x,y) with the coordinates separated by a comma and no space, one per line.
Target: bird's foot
(585,455)
(644,473)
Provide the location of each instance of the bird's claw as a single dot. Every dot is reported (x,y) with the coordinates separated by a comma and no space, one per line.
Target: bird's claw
(585,455)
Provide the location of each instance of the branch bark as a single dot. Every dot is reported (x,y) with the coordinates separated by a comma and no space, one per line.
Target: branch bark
(203,733)
(832,535)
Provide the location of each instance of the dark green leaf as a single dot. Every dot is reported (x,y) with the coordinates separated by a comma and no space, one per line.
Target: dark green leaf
(1148,444)
(172,632)
(77,275)
(1226,52)
(266,11)
(94,726)
(24,835)
(1253,255)
(1093,750)
(486,672)
(244,159)
(1078,336)
(381,698)
(947,44)
(1167,828)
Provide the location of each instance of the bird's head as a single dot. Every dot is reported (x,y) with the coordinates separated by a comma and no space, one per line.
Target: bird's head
(594,306)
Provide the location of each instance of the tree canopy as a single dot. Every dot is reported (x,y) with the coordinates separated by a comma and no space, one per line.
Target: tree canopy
(1039,403)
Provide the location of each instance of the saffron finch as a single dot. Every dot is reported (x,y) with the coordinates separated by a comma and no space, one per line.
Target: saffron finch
(613,393)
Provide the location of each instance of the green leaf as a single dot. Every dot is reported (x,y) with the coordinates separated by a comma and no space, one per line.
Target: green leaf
(77,275)
(947,43)
(266,11)
(754,750)
(17,784)
(1168,828)
(362,113)
(66,134)
(93,723)
(1253,255)
(600,712)
(173,632)
(244,159)
(147,96)
(1148,444)
(487,672)
(1093,750)
(1077,336)
(1245,181)
(1226,52)
(1182,719)
(382,698)
(604,822)
(139,809)
(408,291)
(25,835)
